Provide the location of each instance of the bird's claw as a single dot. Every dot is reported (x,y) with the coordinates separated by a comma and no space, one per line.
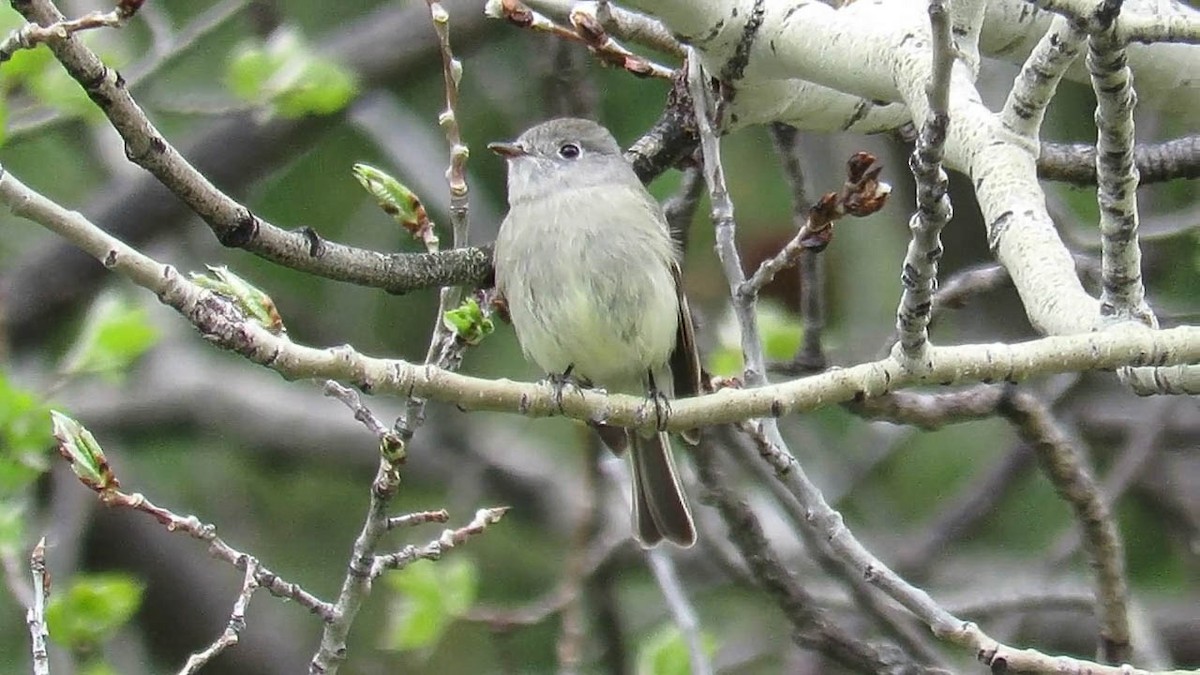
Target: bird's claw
(559,383)
(662,408)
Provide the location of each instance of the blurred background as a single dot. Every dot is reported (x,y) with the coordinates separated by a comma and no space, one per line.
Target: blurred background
(284,472)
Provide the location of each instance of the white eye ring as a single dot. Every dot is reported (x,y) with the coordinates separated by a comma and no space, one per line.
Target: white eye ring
(569,151)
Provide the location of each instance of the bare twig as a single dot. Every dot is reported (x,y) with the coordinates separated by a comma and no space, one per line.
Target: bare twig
(1038,80)
(682,611)
(1156,162)
(810,356)
(418,518)
(31,34)
(919,275)
(445,350)
(218,548)
(1067,468)
(861,195)
(356,585)
(35,618)
(1140,451)
(586,29)
(456,175)
(1122,294)
(434,549)
(237,623)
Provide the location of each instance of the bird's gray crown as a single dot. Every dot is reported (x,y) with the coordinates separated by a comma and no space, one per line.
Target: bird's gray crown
(561,155)
(549,138)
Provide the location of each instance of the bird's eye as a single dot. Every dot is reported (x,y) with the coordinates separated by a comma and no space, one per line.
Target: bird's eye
(568,151)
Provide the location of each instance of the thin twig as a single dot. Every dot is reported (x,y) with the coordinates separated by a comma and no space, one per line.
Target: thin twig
(1122,294)
(26,123)
(861,195)
(586,29)
(919,275)
(805,616)
(434,549)
(237,623)
(31,34)
(810,356)
(445,351)
(682,612)
(906,633)
(1038,80)
(1067,468)
(1140,451)
(36,616)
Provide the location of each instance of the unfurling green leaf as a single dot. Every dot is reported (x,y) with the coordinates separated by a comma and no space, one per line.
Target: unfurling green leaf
(115,333)
(254,303)
(77,445)
(399,202)
(469,322)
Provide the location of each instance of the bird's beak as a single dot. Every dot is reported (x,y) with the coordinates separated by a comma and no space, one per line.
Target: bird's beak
(508,150)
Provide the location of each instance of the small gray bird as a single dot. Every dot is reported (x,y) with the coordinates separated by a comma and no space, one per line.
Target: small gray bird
(591,277)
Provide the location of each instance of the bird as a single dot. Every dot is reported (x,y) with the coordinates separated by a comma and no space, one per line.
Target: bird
(591,279)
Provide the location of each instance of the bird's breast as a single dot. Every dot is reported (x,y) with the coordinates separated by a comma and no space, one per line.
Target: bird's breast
(588,282)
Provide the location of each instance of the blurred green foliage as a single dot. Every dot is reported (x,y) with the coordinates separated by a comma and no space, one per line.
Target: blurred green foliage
(426,597)
(87,611)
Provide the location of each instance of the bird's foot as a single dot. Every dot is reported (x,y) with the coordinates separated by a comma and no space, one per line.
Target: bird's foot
(662,408)
(560,383)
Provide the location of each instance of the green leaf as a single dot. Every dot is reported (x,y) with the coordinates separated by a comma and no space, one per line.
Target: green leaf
(288,74)
(429,596)
(324,88)
(92,609)
(81,450)
(248,71)
(115,333)
(24,439)
(469,322)
(399,202)
(665,652)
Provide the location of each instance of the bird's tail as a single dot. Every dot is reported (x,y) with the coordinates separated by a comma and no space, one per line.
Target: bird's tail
(660,508)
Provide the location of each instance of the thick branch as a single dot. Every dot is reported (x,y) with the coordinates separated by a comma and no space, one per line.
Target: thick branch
(1156,162)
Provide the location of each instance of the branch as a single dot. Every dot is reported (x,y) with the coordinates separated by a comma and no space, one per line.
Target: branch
(1155,162)
(222,324)
(236,152)
(35,617)
(237,623)
(1123,296)
(1067,467)
(919,274)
